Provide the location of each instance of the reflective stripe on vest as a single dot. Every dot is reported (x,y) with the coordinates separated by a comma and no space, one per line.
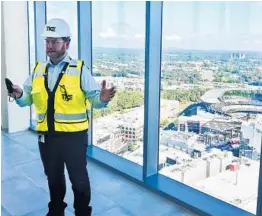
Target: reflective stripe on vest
(40,69)
(80,116)
(39,74)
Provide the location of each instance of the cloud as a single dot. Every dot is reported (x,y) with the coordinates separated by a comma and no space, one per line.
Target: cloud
(173,37)
(110,33)
(117,30)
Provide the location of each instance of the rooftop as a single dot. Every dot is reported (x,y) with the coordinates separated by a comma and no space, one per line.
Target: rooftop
(221,125)
(243,194)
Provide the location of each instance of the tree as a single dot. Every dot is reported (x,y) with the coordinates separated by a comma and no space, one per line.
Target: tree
(122,101)
(132,147)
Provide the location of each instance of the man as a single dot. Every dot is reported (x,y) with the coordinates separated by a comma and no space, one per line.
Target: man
(60,90)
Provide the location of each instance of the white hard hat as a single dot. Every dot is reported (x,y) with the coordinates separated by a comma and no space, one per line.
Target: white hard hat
(56,28)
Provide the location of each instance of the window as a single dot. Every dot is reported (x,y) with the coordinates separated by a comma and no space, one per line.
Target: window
(118,57)
(62,9)
(31,29)
(210,98)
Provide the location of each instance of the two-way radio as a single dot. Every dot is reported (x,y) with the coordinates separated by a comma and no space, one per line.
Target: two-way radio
(9,86)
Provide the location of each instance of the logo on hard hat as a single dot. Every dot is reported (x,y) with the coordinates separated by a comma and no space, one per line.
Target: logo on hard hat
(50,28)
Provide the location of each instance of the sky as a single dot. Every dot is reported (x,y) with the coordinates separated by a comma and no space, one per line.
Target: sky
(186,25)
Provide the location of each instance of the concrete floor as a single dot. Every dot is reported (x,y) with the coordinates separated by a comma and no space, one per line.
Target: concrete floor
(25,190)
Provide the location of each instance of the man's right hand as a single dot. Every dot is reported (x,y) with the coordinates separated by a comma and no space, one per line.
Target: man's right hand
(17,92)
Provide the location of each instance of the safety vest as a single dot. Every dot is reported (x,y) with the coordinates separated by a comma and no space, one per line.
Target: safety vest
(65,108)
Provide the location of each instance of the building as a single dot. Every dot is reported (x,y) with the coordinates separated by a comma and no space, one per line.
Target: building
(234,187)
(132,130)
(191,171)
(183,141)
(123,83)
(131,125)
(236,56)
(251,139)
(191,123)
(110,139)
(217,131)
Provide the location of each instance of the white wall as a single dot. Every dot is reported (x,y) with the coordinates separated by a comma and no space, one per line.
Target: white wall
(15,62)
(4,113)
(214,167)
(195,174)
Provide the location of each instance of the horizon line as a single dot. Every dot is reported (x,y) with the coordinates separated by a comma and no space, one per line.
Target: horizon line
(183,49)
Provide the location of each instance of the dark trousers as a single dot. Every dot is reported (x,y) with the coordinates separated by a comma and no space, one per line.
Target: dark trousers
(70,150)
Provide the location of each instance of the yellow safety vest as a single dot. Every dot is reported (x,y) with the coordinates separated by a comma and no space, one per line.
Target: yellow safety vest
(65,108)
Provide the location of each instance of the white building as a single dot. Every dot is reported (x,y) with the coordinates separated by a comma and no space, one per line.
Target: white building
(252,135)
(132,130)
(191,171)
(238,188)
(183,141)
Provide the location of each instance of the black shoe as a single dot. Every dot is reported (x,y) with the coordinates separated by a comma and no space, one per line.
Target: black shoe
(56,210)
(86,212)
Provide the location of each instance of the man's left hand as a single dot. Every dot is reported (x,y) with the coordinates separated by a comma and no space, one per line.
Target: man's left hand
(107,95)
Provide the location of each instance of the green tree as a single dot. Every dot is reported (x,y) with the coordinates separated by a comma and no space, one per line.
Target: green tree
(132,147)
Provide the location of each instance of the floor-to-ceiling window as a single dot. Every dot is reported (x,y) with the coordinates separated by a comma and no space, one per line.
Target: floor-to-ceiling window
(211,107)
(118,30)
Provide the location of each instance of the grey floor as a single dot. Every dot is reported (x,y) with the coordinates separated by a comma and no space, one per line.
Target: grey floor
(25,191)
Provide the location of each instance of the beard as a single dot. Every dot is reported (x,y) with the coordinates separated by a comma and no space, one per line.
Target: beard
(56,56)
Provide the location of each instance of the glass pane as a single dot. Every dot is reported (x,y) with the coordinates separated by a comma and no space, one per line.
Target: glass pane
(31,50)
(118,58)
(61,9)
(211,102)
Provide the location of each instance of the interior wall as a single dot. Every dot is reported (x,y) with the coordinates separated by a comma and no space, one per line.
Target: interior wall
(15,62)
